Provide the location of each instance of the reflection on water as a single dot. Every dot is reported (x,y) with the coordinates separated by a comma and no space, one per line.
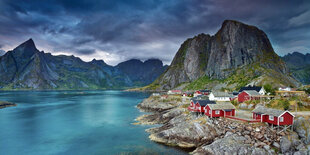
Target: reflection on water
(75,122)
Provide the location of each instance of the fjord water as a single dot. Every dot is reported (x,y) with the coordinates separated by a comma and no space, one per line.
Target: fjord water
(75,122)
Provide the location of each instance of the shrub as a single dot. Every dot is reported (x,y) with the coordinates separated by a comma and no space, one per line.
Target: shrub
(286,105)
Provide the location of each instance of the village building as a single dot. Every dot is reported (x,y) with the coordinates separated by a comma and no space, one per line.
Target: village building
(174,92)
(198,105)
(188,94)
(286,89)
(220,96)
(260,90)
(248,95)
(220,109)
(290,93)
(273,116)
(202,92)
(155,94)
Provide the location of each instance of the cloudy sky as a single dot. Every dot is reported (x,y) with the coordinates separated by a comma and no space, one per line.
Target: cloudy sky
(117,30)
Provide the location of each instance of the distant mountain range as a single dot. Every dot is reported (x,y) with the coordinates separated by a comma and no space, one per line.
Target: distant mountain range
(299,65)
(26,67)
(237,55)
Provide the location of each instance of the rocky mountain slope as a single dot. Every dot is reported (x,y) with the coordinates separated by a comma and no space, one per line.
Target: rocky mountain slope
(236,51)
(26,67)
(299,65)
(142,73)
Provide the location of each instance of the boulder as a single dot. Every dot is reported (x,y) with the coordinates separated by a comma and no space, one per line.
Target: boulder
(232,144)
(302,127)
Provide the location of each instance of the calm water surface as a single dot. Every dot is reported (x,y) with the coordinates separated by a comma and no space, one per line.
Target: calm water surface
(75,122)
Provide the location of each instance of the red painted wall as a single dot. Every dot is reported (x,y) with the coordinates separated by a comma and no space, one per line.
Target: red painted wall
(242,97)
(256,116)
(207,109)
(287,119)
(221,114)
(274,121)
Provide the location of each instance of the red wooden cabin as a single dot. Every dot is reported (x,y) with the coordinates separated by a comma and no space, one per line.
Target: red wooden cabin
(248,95)
(198,105)
(273,116)
(220,109)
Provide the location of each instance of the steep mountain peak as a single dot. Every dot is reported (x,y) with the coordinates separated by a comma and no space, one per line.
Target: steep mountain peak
(27,45)
(235,46)
(98,62)
(157,61)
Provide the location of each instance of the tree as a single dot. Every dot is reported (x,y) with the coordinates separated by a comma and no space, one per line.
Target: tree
(268,88)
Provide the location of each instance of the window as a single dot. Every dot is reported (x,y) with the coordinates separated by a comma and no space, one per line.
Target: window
(281,119)
(271,118)
(217,112)
(210,112)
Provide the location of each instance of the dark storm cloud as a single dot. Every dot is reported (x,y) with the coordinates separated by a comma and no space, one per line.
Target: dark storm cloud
(122,29)
(86,51)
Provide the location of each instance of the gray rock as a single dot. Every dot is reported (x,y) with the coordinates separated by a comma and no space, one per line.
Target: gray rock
(288,143)
(275,144)
(232,144)
(285,144)
(302,127)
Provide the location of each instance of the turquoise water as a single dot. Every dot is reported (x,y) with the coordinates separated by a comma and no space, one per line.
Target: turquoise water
(75,122)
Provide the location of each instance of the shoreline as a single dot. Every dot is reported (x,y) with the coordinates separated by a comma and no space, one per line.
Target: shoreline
(5,104)
(203,135)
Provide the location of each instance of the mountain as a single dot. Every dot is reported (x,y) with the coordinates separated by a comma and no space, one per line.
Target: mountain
(142,73)
(26,67)
(238,54)
(299,65)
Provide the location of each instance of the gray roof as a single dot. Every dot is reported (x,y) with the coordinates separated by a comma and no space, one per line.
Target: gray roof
(252,92)
(222,106)
(250,88)
(203,102)
(200,97)
(221,94)
(268,111)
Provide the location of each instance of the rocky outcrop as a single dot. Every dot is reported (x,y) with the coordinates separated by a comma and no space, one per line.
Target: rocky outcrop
(185,134)
(302,128)
(26,67)
(218,136)
(233,47)
(4,104)
(231,144)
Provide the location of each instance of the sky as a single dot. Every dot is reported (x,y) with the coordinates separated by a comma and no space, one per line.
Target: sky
(118,30)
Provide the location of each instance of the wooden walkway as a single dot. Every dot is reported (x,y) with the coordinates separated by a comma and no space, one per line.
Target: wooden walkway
(241,119)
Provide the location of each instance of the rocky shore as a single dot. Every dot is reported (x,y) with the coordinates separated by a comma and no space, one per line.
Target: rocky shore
(4,104)
(219,136)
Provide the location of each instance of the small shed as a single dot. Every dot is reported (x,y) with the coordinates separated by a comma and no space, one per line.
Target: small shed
(273,116)
(220,109)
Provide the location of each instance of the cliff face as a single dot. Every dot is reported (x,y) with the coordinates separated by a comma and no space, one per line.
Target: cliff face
(142,73)
(234,46)
(26,67)
(299,65)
